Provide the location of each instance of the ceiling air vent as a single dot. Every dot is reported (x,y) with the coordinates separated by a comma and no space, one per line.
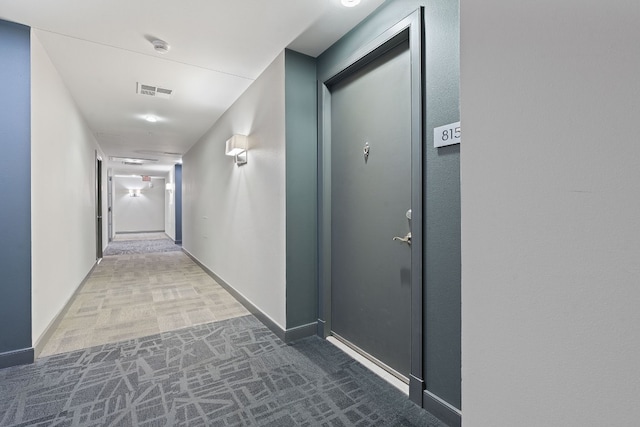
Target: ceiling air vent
(163,92)
(158,153)
(156,91)
(131,161)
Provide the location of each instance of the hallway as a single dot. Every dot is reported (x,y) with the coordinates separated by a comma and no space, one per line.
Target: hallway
(526,310)
(258,227)
(135,295)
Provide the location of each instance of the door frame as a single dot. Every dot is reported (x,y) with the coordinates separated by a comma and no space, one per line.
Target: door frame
(409,29)
(99,219)
(109,207)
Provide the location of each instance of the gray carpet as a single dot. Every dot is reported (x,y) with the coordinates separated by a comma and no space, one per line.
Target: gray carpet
(141,247)
(230,373)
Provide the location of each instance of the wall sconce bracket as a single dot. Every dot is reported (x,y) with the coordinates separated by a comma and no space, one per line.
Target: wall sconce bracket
(237,147)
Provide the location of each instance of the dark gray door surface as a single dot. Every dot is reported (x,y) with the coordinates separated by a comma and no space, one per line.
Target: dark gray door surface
(98,208)
(370,197)
(110,209)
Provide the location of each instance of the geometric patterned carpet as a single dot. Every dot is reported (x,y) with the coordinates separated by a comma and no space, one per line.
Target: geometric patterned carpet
(234,372)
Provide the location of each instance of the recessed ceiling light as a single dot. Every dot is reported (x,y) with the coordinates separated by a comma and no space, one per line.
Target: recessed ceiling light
(350,3)
(160,46)
(151,119)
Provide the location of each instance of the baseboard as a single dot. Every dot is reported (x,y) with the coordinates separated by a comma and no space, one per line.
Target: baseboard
(262,317)
(416,389)
(23,356)
(442,410)
(300,332)
(287,336)
(53,325)
(322,329)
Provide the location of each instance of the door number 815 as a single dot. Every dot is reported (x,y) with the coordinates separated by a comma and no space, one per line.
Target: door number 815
(451,133)
(447,135)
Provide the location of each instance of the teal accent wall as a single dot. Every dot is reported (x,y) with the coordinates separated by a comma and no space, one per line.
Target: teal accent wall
(301,189)
(15,194)
(442,260)
(442,239)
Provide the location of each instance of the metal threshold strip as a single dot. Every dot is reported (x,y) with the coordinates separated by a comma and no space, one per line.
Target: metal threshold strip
(397,376)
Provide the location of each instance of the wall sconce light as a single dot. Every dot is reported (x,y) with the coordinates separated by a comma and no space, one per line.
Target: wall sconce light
(236,146)
(169,186)
(134,193)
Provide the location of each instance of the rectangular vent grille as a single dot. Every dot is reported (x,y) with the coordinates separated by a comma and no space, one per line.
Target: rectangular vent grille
(147,90)
(132,161)
(156,91)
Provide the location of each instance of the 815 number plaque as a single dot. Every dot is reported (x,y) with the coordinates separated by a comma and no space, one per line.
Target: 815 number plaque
(446,135)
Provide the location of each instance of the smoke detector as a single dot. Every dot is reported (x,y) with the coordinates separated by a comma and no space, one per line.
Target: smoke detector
(160,46)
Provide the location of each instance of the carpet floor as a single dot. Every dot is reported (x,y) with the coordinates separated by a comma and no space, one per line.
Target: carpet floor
(235,372)
(145,235)
(139,246)
(133,296)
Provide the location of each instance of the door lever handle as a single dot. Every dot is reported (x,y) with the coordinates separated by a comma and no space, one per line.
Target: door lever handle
(406,239)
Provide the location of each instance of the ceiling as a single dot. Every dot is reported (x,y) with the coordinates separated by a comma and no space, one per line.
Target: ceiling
(102,49)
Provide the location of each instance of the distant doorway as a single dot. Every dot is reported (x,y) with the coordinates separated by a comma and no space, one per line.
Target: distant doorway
(98,207)
(110,208)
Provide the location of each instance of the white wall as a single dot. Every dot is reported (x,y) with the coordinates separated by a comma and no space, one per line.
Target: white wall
(550,213)
(170,206)
(62,192)
(142,213)
(234,217)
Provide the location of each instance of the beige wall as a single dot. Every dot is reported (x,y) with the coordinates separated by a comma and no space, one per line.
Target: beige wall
(550,213)
(234,217)
(139,214)
(62,192)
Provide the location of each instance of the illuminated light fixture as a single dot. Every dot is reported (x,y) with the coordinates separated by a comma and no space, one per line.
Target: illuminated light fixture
(236,146)
(350,3)
(151,119)
(160,46)
(134,192)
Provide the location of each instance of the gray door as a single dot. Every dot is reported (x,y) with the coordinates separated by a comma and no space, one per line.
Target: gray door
(370,197)
(98,208)
(110,209)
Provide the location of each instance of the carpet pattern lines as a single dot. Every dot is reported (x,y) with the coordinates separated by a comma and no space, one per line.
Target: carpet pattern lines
(229,373)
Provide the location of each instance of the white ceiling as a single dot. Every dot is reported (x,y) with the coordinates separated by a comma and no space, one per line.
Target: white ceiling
(217,48)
